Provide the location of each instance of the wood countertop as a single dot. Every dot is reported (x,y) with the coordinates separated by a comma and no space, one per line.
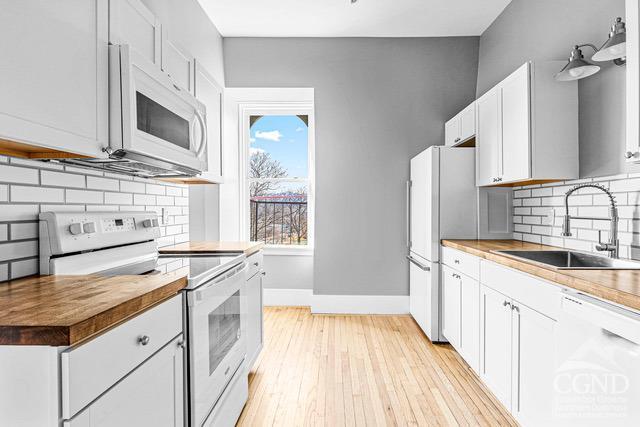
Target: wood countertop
(248,248)
(65,310)
(619,286)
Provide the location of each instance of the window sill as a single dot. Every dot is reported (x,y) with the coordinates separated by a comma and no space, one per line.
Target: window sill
(276,250)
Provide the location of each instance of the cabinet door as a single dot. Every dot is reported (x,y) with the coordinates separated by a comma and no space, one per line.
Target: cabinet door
(451,300)
(470,322)
(152,395)
(533,366)
(130,22)
(488,138)
(516,120)
(254,318)
(632,153)
(54,74)
(468,122)
(209,92)
(452,131)
(178,63)
(495,343)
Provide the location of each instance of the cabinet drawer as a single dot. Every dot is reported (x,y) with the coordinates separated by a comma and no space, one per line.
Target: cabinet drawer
(255,264)
(90,369)
(533,292)
(461,261)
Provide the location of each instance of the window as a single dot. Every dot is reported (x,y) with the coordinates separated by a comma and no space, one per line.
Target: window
(279,185)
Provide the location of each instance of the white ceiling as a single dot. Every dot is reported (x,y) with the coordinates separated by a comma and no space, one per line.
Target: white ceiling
(340,18)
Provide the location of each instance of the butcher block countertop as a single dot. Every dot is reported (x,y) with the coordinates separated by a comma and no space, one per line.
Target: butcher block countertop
(65,310)
(619,286)
(249,248)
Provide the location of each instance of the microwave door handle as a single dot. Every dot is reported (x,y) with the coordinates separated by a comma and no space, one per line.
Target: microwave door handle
(203,139)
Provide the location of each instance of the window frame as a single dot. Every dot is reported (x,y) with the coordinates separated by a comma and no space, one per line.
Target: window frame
(278,109)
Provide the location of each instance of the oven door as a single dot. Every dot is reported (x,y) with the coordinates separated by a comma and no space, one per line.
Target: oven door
(216,345)
(153,116)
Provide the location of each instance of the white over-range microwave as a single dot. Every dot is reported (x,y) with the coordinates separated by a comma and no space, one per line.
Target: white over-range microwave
(156,128)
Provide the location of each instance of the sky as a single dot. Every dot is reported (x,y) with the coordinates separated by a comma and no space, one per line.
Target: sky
(285,139)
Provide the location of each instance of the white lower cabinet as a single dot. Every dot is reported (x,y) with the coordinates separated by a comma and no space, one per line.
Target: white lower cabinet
(517,357)
(254,318)
(451,304)
(495,343)
(461,314)
(150,396)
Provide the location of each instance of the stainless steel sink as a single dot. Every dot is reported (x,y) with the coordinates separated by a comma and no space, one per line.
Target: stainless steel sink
(569,260)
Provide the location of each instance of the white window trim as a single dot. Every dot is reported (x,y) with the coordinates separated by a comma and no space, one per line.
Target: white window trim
(277,109)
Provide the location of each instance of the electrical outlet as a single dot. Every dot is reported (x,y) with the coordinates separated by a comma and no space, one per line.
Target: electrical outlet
(549,217)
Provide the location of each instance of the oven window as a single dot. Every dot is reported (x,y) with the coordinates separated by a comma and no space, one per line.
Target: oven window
(224,330)
(156,120)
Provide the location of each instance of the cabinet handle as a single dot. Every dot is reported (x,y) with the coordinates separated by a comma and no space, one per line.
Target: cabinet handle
(630,154)
(256,264)
(181,344)
(506,304)
(176,86)
(264,273)
(516,308)
(456,261)
(144,340)
(457,139)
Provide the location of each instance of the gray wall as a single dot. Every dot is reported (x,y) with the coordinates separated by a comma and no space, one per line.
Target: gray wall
(546,30)
(378,102)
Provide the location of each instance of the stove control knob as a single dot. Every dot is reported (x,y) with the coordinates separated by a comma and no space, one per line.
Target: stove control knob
(89,227)
(148,223)
(76,228)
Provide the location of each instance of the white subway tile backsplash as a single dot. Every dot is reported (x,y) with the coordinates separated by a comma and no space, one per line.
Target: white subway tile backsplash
(531,209)
(61,179)
(29,187)
(24,230)
(18,174)
(132,187)
(21,193)
(98,183)
(85,196)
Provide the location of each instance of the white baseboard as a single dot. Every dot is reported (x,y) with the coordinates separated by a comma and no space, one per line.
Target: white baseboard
(287,297)
(360,304)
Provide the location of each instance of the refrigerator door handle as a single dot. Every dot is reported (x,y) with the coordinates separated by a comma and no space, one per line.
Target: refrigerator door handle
(408,200)
(418,263)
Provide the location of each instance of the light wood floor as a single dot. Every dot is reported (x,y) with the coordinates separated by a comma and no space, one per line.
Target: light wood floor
(361,370)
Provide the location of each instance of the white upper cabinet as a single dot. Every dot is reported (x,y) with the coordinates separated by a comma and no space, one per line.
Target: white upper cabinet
(489,131)
(130,22)
(462,127)
(209,92)
(178,63)
(54,73)
(527,128)
(632,153)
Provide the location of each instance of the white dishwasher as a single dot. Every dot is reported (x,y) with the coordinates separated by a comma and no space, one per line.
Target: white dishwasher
(597,378)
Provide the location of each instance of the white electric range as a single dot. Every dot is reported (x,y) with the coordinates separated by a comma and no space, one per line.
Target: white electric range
(124,243)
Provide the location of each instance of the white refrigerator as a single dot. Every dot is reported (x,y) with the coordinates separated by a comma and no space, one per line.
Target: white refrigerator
(441,203)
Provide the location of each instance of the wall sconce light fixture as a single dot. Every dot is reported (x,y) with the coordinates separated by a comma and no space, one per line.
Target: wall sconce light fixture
(614,49)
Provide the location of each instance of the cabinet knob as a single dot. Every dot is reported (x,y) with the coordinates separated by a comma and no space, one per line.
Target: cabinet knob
(457,139)
(256,264)
(181,344)
(630,154)
(506,304)
(456,261)
(264,273)
(144,340)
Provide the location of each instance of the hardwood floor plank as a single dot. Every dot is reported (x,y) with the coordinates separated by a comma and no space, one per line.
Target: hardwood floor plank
(325,370)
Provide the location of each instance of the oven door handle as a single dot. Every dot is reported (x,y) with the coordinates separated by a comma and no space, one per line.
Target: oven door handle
(200,294)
